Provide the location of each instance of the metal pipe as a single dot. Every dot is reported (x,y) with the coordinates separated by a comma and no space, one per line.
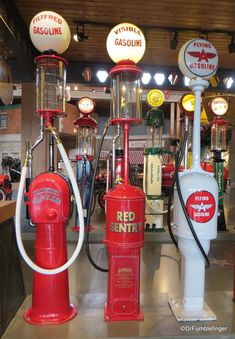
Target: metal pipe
(51,154)
(114,154)
(36,143)
(126,129)
(186,126)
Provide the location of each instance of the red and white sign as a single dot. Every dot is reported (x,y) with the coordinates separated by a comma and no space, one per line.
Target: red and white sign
(126,42)
(49,31)
(200,206)
(198,58)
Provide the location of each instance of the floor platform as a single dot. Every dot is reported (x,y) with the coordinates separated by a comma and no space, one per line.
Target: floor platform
(160,271)
(160,277)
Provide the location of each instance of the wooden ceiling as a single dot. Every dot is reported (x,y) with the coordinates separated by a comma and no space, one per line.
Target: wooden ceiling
(212,19)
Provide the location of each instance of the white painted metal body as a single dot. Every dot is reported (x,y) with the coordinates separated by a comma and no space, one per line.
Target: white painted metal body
(190,306)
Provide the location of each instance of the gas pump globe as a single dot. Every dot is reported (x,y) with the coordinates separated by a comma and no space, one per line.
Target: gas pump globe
(85,150)
(125,204)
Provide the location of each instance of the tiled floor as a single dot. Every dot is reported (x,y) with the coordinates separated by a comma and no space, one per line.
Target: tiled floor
(160,265)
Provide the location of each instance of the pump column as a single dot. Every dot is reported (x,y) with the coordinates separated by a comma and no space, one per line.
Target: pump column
(196,198)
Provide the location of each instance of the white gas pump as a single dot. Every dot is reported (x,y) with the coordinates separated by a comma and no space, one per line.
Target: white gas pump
(196,197)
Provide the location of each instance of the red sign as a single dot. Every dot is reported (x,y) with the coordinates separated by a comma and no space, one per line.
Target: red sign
(200,206)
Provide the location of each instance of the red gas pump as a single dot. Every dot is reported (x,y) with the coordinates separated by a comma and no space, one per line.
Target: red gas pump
(49,194)
(125,204)
(85,127)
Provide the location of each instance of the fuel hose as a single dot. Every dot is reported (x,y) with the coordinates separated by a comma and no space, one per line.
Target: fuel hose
(178,160)
(89,212)
(20,196)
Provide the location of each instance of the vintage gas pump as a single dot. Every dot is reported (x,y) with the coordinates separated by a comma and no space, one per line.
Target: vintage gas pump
(219,144)
(187,104)
(153,152)
(125,204)
(49,194)
(86,142)
(196,197)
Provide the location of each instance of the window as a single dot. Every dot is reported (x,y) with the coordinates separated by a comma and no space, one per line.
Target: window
(3,120)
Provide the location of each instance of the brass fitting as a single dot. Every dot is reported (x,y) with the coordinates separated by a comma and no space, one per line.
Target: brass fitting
(52,130)
(27,155)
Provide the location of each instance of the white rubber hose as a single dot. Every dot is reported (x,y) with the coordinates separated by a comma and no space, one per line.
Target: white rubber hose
(80,215)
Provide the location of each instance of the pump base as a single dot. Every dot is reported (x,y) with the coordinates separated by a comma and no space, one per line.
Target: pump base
(31,317)
(119,317)
(183,314)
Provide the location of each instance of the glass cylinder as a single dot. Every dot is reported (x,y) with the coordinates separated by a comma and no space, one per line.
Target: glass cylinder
(126,95)
(154,136)
(218,137)
(86,141)
(50,84)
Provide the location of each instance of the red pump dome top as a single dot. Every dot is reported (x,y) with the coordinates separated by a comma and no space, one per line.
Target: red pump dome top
(85,122)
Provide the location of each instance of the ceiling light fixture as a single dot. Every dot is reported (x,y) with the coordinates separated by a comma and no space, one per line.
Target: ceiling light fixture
(228,81)
(231,46)
(102,75)
(186,81)
(146,78)
(80,34)
(159,78)
(174,40)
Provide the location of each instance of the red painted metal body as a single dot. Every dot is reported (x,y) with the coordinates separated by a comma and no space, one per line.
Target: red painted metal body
(49,209)
(5,184)
(125,219)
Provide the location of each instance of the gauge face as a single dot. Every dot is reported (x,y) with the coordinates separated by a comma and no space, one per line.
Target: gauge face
(86,105)
(188,102)
(155,98)
(219,106)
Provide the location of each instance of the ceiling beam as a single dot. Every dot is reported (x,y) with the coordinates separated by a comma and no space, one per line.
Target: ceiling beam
(14,34)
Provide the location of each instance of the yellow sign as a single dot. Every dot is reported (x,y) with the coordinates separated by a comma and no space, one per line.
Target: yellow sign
(204,119)
(155,98)
(188,102)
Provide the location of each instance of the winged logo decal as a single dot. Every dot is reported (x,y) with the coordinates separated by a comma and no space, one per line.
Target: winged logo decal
(201,207)
(202,55)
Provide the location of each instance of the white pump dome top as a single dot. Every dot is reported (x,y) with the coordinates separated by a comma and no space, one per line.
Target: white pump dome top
(49,31)
(126,42)
(198,58)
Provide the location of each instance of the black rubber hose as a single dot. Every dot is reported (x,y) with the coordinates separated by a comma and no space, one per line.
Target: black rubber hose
(188,218)
(178,160)
(89,212)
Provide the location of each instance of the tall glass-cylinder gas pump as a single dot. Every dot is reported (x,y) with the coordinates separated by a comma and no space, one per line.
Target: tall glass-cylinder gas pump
(85,151)
(125,204)
(153,152)
(196,195)
(49,196)
(187,104)
(219,144)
